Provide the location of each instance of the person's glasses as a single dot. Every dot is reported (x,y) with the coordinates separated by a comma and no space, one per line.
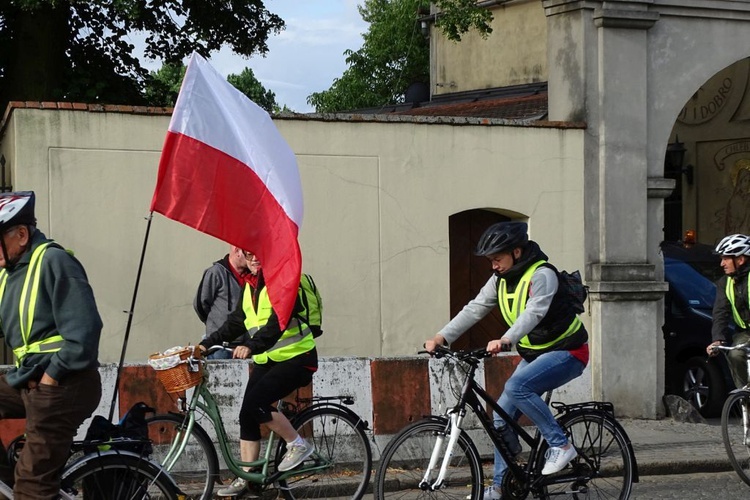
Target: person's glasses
(248,255)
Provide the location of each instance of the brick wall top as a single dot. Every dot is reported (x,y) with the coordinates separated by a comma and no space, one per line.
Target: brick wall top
(79,106)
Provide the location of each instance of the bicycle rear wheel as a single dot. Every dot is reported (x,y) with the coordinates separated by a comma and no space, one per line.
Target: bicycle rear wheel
(405,460)
(117,477)
(735,429)
(340,440)
(603,468)
(196,469)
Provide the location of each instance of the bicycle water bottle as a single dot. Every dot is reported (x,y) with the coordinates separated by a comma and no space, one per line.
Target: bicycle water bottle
(509,438)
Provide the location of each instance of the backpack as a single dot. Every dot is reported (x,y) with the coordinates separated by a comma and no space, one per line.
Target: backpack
(574,292)
(313,305)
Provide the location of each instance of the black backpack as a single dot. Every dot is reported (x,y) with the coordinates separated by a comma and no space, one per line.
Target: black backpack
(574,291)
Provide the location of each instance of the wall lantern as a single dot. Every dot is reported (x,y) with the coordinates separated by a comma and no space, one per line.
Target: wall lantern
(675,157)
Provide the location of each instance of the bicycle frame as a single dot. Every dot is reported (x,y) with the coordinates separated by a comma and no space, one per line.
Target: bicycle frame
(202,400)
(471,392)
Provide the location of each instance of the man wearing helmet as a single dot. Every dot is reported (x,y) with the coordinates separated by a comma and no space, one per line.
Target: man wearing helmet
(732,302)
(49,319)
(548,335)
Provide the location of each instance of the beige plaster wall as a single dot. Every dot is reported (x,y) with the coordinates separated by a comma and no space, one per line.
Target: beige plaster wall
(375,234)
(514,53)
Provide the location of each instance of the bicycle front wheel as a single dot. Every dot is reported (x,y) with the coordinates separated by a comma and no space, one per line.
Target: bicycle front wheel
(196,469)
(603,468)
(735,429)
(340,441)
(117,477)
(403,470)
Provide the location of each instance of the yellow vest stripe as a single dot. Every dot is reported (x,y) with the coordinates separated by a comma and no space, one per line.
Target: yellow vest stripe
(294,341)
(730,297)
(518,299)
(27,308)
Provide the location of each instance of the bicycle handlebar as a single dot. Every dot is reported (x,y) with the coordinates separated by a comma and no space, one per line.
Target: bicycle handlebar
(741,347)
(442,351)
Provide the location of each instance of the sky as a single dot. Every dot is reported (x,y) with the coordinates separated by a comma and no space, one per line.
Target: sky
(304,58)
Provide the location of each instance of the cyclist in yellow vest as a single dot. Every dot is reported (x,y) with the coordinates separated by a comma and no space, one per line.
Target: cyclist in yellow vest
(732,304)
(546,331)
(50,322)
(284,360)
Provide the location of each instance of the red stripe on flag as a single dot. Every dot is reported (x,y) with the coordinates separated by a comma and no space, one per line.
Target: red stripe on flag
(209,190)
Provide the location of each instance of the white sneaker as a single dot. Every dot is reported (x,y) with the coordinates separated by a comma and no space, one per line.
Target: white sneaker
(295,455)
(238,487)
(492,492)
(557,459)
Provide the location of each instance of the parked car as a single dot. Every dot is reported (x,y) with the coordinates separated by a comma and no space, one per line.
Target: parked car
(691,272)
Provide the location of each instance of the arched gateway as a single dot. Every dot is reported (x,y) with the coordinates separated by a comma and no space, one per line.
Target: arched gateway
(627,68)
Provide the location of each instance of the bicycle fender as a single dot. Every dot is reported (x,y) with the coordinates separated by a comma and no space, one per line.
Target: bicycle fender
(741,389)
(93,457)
(361,424)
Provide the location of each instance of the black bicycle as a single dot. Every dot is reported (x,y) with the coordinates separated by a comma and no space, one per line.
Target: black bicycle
(735,420)
(436,457)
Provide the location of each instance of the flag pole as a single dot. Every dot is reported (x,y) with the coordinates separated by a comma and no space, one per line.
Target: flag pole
(130,317)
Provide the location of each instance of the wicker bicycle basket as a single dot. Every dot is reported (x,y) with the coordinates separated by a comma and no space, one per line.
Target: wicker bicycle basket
(181,376)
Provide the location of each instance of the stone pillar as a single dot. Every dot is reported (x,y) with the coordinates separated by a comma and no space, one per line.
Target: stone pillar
(598,71)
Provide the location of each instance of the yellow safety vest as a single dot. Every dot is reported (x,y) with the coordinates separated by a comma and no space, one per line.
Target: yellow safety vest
(512,305)
(730,297)
(27,307)
(295,340)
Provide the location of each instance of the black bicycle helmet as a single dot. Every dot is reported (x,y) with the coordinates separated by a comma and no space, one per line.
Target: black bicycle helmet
(502,237)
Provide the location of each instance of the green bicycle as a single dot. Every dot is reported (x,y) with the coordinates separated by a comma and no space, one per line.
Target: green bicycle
(341,465)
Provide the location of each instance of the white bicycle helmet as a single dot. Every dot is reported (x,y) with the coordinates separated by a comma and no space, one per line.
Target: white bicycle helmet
(734,245)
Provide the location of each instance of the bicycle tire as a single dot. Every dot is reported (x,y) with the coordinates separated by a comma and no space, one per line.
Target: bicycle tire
(603,459)
(736,434)
(340,439)
(196,470)
(117,476)
(406,457)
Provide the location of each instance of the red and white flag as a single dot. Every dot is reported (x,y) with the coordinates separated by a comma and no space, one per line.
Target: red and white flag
(225,170)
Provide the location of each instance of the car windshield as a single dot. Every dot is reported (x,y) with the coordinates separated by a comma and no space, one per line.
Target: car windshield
(695,289)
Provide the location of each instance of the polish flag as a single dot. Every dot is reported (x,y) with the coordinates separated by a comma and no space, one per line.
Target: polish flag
(226,171)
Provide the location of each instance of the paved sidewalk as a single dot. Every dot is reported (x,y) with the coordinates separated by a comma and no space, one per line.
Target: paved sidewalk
(670,447)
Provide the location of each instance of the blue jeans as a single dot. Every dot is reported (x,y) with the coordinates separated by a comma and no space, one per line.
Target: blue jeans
(223,354)
(523,392)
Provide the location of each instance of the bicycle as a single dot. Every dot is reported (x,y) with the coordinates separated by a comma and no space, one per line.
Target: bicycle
(113,474)
(340,466)
(735,421)
(436,457)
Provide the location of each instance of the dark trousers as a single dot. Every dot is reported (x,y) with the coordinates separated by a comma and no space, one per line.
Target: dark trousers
(268,383)
(53,415)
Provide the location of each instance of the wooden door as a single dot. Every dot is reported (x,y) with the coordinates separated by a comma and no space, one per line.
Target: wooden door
(469,273)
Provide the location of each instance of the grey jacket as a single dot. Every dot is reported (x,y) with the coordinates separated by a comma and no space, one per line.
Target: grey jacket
(218,295)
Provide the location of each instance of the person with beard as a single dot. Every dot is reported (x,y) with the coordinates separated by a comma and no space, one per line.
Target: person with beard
(219,292)
(543,326)
(732,303)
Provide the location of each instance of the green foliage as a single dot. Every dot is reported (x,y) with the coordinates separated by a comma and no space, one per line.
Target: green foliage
(246,83)
(458,17)
(394,54)
(163,85)
(81,50)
